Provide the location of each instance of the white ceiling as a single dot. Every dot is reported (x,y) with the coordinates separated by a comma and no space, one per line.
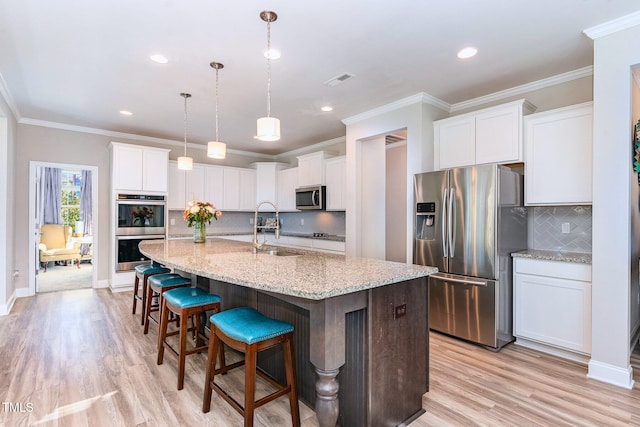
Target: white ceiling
(79,63)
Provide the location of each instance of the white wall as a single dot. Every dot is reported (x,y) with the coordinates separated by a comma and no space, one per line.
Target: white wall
(7,213)
(373,198)
(396,195)
(614,56)
(416,116)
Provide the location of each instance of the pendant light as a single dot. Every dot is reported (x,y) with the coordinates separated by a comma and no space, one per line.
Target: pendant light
(185,163)
(216,149)
(268,127)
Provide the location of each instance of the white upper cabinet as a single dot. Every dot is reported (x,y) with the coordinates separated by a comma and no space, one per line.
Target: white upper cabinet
(335,175)
(558,161)
(184,186)
(139,168)
(287,184)
(311,168)
(267,183)
(490,135)
(214,185)
(247,189)
(239,189)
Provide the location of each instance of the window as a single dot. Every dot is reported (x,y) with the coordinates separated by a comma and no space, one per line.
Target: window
(70,203)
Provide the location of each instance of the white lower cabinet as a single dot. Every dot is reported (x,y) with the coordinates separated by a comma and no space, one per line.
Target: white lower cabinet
(552,306)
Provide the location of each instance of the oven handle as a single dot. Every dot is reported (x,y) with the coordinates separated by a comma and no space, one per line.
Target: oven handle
(147,237)
(141,202)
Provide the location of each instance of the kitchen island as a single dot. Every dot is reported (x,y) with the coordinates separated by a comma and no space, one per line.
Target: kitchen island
(362,323)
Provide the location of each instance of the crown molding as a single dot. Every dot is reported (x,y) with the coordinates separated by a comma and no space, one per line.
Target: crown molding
(421,97)
(112,134)
(522,89)
(613,26)
(312,148)
(6,95)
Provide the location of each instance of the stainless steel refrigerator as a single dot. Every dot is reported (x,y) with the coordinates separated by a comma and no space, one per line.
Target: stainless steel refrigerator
(468,221)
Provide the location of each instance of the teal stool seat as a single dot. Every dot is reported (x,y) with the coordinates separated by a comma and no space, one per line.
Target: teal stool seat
(144,271)
(158,284)
(190,297)
(168,280)
(248,325)
(246,330)
(185,302)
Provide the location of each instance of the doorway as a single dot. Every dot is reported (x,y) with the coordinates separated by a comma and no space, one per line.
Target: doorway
(76,189)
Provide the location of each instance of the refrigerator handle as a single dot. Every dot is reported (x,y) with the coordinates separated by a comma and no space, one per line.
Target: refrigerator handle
(452,222)
(444,223)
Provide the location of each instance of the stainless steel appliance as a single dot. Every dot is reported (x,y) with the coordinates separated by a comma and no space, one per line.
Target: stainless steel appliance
(311,197)
(138,217)
(468,221)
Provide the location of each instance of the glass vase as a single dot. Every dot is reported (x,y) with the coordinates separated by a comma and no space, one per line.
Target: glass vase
(199,232)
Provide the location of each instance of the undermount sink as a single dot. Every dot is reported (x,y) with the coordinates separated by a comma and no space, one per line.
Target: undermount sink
(275,252)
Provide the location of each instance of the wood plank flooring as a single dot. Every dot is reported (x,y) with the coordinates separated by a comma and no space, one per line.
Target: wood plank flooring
(79,358)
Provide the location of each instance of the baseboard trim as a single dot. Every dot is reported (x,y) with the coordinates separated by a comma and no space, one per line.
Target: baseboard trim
(101,284)
(545,348)
(5,309)
(120,289)
(611,374)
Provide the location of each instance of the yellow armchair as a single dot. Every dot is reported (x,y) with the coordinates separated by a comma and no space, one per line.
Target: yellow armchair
(55,244)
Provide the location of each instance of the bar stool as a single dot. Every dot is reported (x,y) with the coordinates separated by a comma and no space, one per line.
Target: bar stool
(143,272)
(246,330)
(159,284)
(185,302)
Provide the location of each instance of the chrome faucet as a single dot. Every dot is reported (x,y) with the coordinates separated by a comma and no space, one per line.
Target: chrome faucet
(257,245)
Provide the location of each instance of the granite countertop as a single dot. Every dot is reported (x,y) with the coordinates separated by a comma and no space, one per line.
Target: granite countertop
(578,257)
(309,274)
(332,237)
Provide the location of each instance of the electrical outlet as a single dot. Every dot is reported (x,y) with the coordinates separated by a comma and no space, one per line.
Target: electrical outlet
(173,221)
(400,311)
(251,221)
(301,221)
(566,227)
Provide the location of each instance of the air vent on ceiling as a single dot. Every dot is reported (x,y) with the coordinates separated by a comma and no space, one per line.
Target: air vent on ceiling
(392,139)
(335,81)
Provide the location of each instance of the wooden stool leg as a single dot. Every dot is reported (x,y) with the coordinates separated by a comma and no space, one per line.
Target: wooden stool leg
(144,296)
(214,344)
(162,333)
(136,284)
(147,310)
(184,330)
(249,384)
(290,368)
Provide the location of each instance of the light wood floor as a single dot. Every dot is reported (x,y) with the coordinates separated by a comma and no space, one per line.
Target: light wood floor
(79,358)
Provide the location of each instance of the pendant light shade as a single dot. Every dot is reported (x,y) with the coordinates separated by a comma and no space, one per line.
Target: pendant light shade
(268,127)
(184,162)
(216,149)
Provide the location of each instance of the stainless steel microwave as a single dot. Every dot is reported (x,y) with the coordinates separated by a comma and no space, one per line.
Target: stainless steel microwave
(311,198)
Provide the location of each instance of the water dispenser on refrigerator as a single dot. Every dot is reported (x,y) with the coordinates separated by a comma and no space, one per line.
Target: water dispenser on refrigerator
(425,221)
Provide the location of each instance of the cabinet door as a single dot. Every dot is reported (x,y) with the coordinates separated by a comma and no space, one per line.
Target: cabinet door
(559,157)
(553,311)
(498,135)
(127,167)
(455,141)
(214,186)
(287,184)
(247,189)
(266,184)
(194,186)
(176,190)
(154,170)
(231,192)
(335,175)
(311,169)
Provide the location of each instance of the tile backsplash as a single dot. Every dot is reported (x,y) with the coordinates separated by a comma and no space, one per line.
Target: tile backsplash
(545,228)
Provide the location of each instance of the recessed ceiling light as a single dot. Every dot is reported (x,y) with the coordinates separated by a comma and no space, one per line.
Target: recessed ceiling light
(160,59)
(126,113)
(272,54)
(467,52)
(327,108)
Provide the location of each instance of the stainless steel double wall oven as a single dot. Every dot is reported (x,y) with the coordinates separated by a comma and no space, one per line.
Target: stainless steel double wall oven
(138,217)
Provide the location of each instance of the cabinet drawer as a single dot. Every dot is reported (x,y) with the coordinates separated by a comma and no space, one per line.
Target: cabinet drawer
(565,270)
(329,245)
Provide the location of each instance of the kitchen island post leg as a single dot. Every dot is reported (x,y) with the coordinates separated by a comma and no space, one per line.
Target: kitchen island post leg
(327,397)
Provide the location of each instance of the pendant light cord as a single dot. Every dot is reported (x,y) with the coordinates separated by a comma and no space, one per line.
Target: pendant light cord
(268,69)
(217,138)
(185,126)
